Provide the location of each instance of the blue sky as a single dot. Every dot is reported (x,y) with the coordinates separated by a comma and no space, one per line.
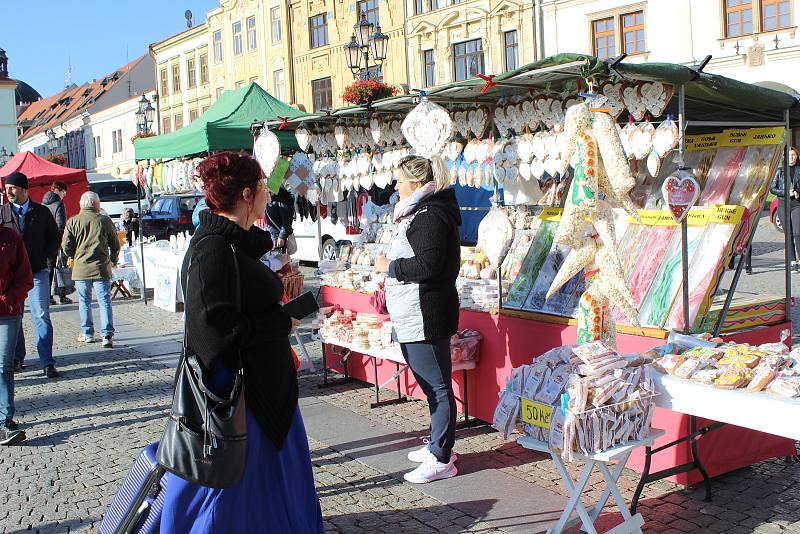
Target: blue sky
(41,37)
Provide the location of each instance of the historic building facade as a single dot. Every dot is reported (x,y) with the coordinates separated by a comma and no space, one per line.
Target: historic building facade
(247,43)
(449,41)
(754,41)
(183,81)
(321,28)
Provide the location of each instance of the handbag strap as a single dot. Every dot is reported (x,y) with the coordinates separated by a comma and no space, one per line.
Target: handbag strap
(238,299)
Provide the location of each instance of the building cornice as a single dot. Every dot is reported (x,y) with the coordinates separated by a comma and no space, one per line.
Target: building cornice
(180,38)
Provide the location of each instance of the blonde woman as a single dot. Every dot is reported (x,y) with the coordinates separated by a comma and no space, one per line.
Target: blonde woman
(423,262)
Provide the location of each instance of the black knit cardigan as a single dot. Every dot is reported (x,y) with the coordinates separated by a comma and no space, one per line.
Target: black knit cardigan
(216,331)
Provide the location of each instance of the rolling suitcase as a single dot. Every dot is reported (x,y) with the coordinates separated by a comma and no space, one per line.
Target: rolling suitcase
(136,508)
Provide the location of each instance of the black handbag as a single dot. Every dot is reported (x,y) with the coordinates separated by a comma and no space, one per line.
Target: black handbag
(205,438)
(63,284)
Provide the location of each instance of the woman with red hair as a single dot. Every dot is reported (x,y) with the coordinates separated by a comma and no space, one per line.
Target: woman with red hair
(276,492)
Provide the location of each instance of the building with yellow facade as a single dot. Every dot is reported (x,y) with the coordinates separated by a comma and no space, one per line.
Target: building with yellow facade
(182,78)
(247,43)
(321,28)
(451,40)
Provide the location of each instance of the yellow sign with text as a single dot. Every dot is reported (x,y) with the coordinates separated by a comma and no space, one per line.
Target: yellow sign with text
(696,217)
(749,137)
(703,142)
(765,136)
(551,214)
(535,413)
(727,214)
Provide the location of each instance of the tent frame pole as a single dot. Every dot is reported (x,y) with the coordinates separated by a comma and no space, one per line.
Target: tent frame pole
(687,328)
(139,191)
(787,221)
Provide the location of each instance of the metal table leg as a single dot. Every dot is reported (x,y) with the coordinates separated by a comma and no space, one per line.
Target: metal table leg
(694,463)
(396,377)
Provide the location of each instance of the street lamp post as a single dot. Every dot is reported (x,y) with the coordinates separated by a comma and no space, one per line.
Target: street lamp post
(144,115)
(365,45)
(52,142)
(144,119)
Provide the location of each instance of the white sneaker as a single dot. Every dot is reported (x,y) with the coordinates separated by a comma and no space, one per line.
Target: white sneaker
(431,470)
(424,454)
(83,338)
(107,343)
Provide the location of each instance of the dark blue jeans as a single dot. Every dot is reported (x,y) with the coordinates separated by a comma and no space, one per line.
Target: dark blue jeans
(9,330)
(39,302)
(430,362)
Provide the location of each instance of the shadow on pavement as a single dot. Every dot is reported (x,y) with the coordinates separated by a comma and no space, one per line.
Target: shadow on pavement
(414,520)
(67,525)
(57,438)
(77,400)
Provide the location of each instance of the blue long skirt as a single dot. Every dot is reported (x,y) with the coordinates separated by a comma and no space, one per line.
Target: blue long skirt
(276,493)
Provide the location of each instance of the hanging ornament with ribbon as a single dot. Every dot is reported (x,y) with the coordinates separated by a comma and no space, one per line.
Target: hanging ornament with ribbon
(427,128)
(267,150)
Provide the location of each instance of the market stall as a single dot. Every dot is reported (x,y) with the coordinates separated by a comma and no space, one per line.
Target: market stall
(41,175)
(697,152)
(167,163)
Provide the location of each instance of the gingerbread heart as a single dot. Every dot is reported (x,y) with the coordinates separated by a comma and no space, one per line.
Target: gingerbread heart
(680,192)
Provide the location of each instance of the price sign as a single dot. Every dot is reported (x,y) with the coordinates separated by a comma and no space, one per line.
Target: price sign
(536,413)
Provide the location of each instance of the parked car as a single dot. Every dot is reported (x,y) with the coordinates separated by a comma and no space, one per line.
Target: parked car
(318,240)
(775,215)
(170,215)
(115,195)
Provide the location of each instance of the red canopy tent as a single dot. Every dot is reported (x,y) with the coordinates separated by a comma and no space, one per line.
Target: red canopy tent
(41,175)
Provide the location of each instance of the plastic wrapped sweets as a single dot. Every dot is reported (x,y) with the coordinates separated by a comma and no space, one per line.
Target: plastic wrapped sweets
(727,162)
(656,305)
(704,269)
(540,247)
(564,301)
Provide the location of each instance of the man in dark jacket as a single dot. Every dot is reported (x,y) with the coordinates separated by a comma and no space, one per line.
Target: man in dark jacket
(777,189)
(280,215)
(39,232)
(54,200)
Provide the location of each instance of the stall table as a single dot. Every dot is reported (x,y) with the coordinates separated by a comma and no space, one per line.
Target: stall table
(618,455)
(514,339)
(162,268)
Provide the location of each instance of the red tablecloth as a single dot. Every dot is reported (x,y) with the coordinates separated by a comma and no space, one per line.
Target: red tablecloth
(509,342)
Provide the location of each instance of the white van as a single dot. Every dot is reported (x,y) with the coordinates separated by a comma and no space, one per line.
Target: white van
(115,194)
(317,240)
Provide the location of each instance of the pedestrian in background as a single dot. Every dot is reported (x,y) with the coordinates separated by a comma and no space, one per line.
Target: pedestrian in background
(793,224)
(280,215)
(423,262)
(226,329)
(39,232)
(90,239)
(16,279)
(130,224)
(54,200)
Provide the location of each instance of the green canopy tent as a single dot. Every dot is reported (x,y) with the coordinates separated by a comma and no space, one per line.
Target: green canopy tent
(224,126)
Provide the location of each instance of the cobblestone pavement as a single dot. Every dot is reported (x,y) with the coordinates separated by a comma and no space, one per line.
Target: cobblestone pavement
(85,428)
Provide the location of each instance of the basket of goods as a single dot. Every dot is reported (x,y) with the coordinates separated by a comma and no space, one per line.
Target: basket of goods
(292,279)
(584,398)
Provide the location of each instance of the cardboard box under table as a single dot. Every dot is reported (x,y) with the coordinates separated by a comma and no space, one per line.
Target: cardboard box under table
(512,339)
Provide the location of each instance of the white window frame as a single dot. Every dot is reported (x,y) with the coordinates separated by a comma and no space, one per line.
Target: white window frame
(252,38)
(276,33)
(238,45)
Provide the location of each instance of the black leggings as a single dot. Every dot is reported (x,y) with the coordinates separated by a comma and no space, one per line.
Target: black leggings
(793,227)
(431,365)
